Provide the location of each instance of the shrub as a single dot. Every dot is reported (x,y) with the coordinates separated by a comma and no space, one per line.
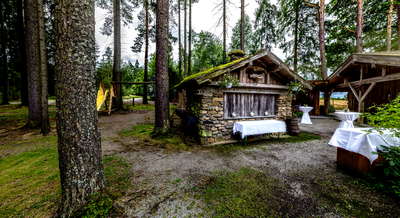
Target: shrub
(387,117)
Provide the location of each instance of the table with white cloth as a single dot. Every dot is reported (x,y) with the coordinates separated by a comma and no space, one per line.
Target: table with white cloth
(347,119)
(306,117)
(247,128)
(353,141)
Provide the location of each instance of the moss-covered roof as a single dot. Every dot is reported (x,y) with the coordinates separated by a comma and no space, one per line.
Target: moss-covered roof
(207,75)
(221,67)
(236,52)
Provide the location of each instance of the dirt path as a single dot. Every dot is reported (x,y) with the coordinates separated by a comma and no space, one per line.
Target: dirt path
(166,178)
(117,122)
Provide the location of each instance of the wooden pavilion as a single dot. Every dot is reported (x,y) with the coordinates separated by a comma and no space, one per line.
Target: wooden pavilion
(369,78)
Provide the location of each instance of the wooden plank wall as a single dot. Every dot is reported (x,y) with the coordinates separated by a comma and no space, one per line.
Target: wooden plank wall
(242,104)
(378,95)
(243,75)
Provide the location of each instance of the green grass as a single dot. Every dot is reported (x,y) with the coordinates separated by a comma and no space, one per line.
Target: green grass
(147,107)
(243,193)
(17,116)
(30,181)
(143,132)
(135,96)
(228,148)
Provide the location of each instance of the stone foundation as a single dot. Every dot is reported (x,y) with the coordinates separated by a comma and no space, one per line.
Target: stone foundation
(208,107)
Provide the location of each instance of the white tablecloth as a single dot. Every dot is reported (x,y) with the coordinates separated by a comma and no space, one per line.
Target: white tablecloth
(347,119)
(258,127)
(306,117)
(357,140)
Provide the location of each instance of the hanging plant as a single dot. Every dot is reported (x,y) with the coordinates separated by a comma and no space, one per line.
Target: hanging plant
(228,82)
(296,88)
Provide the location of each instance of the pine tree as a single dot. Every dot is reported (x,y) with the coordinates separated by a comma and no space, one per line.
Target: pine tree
(162,80)
(266,33)
(236,39)
(6,83)
(79,142)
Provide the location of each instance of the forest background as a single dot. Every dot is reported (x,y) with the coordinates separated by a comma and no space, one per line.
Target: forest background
(267,24)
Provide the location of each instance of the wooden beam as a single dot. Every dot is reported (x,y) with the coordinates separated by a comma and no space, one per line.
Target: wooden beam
(345,81)
(373,66)
(383,72)
(361,74)
(247,85)
(368,91)
(268,79)
(378,79)
(354,92)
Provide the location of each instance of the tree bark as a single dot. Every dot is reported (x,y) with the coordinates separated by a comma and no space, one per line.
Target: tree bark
(190,39)
(117,50)
(162,80)
(242,25)
(43,71)
(146,54)
(33,60)
(359,26)
(184,41)
(324,72)
(6,82)
(224,32)
(398,26)
(389,27)
(79,142)
(296,27)
(180,41)
(22,53)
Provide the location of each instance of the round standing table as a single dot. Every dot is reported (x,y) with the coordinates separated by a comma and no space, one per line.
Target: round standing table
(347,119)
(306,117)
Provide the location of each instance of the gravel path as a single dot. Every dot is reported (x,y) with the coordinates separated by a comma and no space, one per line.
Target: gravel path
(166,177)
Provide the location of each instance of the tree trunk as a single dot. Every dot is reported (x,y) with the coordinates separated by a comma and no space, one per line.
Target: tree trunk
(389,27)
(398,26)
(6,82)
(117,51)
(190,39)
(359,26)
(146,54)
(184,41)
(324,72)
(33,60)
(180,41)
(327,102)
(79,142)
(43,70)
(224,31)
(22,54)
(242,25)
(296,29)
(162,80)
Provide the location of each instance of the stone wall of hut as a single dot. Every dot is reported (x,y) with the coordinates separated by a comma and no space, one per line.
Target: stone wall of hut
(213,126)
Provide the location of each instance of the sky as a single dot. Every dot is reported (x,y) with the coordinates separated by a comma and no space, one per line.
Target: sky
(203,18)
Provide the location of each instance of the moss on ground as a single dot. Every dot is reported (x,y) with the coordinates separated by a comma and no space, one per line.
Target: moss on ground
(143,133)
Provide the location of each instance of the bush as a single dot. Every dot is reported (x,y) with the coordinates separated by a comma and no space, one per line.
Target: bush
(387,117)
(322,109)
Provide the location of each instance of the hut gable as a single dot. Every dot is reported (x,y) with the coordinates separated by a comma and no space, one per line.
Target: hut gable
(262,68)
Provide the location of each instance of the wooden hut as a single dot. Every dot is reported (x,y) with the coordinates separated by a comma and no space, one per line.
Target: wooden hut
(263,86)
(369,78)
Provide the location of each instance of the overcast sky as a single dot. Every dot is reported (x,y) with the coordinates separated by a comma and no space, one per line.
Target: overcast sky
(203,18)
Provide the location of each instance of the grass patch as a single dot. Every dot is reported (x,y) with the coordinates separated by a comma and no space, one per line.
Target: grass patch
(117,172)
(17,116)
(243,193)
(147,107)
(227,148)
(30,181)
(143,132)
